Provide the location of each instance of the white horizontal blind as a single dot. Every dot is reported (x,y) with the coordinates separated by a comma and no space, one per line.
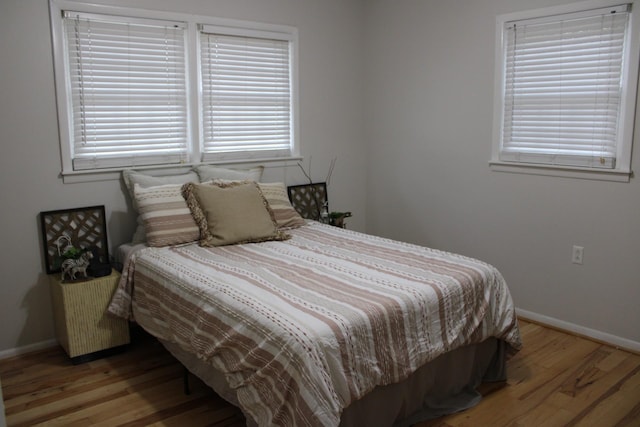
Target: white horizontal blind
(246,96)
(128,91)
(562,93)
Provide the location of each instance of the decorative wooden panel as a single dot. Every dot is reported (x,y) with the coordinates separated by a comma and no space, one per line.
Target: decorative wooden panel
(308,199)
(85,227)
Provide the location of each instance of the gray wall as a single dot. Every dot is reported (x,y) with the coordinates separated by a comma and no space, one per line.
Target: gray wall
(331,125)
(429,111)
(401,91)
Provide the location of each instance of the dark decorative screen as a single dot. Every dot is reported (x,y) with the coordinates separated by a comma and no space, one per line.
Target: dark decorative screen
(85,228)
(308,199)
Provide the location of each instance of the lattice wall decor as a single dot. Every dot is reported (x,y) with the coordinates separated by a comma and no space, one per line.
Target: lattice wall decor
(85,227)
(308,199)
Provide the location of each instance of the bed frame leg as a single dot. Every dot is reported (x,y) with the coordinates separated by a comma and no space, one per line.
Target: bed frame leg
(185,381)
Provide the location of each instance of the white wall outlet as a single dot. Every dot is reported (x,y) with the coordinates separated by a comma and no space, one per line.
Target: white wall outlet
(577,254)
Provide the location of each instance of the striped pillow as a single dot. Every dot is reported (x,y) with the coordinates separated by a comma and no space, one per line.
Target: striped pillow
(132,177)
(166,217)
(276,194)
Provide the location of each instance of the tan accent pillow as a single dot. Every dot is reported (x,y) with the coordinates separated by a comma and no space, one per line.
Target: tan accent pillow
(231,213)
(166,217)
(276,194)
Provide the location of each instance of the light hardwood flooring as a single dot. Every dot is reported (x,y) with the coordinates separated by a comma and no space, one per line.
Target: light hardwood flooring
(556,380)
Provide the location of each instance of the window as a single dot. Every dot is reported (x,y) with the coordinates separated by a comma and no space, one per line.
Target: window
(245,92)
(141,88)
(566,89)
(128,91)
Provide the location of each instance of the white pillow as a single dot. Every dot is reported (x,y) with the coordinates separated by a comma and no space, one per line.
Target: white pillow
(211,173)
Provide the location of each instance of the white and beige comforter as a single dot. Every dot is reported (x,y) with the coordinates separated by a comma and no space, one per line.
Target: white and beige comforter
(304,327)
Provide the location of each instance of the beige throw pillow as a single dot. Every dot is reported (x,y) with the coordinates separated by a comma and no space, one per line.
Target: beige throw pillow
(231,213)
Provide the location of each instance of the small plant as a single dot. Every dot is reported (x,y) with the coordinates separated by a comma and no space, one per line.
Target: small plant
(337,218)
(72,252)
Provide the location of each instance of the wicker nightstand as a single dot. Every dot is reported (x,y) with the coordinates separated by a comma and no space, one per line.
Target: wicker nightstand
(83,328)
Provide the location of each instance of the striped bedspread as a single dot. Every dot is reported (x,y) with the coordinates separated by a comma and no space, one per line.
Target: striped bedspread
(302,328)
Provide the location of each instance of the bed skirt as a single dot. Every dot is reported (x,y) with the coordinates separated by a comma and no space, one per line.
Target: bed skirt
(443,386)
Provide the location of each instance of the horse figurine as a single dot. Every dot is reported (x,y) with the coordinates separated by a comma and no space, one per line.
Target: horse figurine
(71,266)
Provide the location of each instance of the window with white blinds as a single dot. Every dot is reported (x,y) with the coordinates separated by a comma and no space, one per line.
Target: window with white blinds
(145,88)
(127,87)
(246,94)
(564,87)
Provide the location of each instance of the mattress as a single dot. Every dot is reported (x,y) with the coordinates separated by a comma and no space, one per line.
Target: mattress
(303,329)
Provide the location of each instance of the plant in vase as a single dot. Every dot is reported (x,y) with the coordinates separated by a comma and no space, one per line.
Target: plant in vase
(337,218)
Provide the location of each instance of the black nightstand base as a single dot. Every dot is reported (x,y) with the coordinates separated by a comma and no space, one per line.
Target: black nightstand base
(77,360)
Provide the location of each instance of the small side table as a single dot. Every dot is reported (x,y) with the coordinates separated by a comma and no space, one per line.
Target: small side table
(83,327)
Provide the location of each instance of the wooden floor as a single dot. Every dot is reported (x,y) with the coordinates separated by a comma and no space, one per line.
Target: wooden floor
(556,380)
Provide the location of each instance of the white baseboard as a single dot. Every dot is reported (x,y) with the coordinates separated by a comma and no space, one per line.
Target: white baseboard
(4,354)
(618,342)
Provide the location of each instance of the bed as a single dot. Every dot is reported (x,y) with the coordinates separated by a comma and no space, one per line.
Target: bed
(330,327)
(325,317)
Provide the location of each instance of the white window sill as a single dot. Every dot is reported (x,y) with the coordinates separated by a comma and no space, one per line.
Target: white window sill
(615,175)
(71,177)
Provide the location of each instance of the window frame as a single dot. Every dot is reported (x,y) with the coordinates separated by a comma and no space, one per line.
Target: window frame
(194,86)
(622,170)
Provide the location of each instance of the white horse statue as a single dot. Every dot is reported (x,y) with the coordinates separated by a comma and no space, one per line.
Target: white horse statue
(71,267)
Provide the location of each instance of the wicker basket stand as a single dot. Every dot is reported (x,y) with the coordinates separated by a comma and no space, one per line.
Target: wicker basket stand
(83,327)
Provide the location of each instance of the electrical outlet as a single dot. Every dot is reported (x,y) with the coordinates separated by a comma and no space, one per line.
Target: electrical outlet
(577,254)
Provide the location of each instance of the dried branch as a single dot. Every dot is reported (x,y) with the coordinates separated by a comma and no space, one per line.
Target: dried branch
(331,166)
(308,175)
